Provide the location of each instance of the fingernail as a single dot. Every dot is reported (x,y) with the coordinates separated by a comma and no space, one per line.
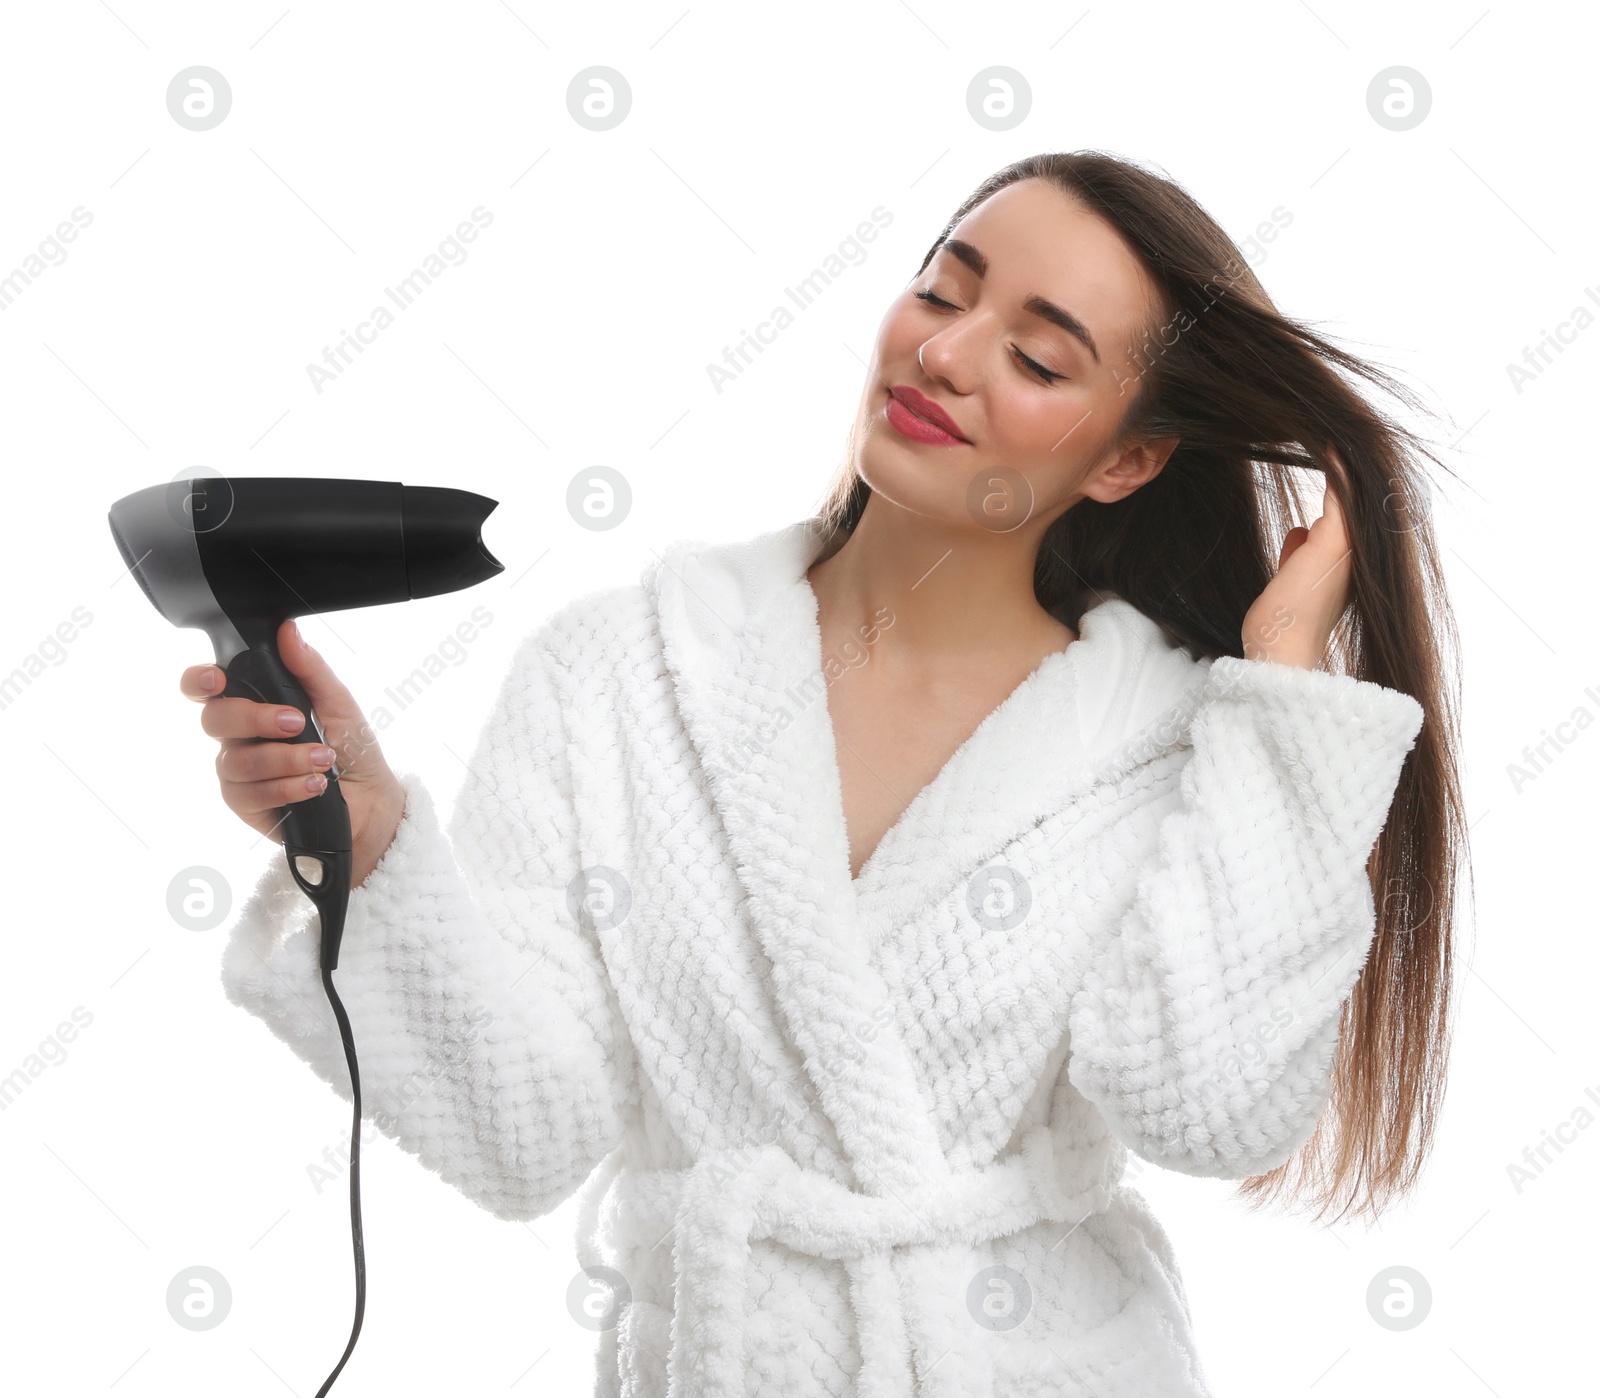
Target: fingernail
(321,757)
(316,783)
(289,720)
(208,680)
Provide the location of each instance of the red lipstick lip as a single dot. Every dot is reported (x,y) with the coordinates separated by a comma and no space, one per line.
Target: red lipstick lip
(928,410)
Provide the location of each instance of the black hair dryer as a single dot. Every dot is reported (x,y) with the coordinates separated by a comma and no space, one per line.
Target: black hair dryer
(237,557)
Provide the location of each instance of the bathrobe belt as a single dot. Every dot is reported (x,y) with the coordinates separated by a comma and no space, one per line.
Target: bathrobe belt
(716,1208)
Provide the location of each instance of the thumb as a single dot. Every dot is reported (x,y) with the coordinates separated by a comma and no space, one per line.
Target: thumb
(344,727)
(327,692)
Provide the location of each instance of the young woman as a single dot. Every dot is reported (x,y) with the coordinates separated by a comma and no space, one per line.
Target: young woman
(846,904)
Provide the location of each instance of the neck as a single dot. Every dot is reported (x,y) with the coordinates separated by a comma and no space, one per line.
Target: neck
(959,594)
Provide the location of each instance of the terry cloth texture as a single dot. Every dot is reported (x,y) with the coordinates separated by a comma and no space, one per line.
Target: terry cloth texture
(857,1136)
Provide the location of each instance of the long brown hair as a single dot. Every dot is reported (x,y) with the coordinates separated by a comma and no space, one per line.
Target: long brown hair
(1256,399)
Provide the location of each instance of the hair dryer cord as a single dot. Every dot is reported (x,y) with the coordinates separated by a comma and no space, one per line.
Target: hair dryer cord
(355,1176)
(330,892)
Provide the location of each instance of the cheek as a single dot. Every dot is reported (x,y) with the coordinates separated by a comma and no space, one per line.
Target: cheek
(901,333)
(1046,427)
(1053,439)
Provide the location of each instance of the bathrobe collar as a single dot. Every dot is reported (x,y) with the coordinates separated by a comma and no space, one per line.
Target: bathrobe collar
(742,643)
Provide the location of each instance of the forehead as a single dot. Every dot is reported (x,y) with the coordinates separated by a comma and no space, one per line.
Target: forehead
(1040,240)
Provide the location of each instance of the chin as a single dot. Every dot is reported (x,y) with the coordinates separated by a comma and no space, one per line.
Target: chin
(916,484)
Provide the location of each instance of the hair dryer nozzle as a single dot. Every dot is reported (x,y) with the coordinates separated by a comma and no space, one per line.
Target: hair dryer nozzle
(444,548)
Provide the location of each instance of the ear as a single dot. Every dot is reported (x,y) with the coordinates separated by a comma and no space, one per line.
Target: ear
(1131,467)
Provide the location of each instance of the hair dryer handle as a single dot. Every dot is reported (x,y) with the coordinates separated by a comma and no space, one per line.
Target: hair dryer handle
(319,827)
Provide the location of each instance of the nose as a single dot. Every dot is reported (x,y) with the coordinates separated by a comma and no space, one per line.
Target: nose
(942,358)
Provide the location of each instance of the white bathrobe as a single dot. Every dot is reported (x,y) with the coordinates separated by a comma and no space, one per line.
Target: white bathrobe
(864,1136)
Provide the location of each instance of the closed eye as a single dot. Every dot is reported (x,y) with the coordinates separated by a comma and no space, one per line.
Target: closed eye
(1048,375)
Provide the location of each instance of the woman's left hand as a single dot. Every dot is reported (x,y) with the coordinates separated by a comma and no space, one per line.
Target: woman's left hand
(1293,619)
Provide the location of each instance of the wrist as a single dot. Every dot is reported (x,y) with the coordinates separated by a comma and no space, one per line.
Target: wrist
(1282,655)
(1284,637)
(379,835)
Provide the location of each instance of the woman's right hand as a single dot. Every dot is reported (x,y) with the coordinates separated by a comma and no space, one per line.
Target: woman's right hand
(260,772)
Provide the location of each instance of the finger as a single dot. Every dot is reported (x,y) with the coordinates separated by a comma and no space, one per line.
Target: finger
(1330,528)
(201,682)
(245,718)
(326,690)
(254,762)
(1330,502)
(1340,471)
(253,798)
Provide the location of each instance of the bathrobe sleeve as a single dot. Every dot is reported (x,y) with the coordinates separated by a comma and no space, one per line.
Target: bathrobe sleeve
(488,1037)
(1204,1024)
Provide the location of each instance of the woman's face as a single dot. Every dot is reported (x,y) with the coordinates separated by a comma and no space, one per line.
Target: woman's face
(1033,359)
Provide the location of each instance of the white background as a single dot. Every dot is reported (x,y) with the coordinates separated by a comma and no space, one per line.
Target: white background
(577,332)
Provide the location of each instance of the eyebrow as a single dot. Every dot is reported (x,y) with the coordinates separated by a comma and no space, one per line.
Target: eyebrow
(1034,303)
